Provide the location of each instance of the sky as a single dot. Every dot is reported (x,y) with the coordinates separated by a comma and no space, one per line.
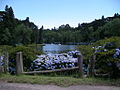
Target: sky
(53,13)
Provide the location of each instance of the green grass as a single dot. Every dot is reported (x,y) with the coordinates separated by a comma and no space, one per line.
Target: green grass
(58,80)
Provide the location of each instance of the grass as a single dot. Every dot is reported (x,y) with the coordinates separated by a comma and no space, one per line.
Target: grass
(57,80)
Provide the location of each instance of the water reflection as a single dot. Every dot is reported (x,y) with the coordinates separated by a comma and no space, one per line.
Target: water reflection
(56,48)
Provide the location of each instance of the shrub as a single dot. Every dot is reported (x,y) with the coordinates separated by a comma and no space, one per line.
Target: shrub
(29,55)
(5,48)
(105,63)
(114,40)
(87,51)
(54,61)
(105,49)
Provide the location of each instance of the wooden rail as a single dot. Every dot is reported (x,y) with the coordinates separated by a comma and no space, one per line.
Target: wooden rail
(49,71)
(19,66)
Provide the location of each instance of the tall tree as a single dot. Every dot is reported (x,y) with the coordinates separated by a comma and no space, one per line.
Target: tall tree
(9,22)
(22,34)
(5,36)
(40,37)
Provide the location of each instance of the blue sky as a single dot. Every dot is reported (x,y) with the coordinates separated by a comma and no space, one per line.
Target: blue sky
(53,13)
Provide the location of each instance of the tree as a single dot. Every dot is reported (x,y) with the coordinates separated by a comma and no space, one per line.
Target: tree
(111,28)
(5,36)
(9,22)
(40,37)
(103,17)
(22,34)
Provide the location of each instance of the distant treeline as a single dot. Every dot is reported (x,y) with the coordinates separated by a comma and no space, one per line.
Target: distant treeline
(14,31)
(85,32)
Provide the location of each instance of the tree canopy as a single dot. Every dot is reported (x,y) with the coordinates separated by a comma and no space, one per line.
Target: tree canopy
(14,31)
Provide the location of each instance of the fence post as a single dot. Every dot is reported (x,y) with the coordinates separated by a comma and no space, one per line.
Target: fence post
(92,66)
(19,63)
(80,64)
(1,69)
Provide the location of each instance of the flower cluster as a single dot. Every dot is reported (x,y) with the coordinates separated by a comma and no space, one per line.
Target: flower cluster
(117,53)
(100,49)
(1,60)
(12,69)
(55,61)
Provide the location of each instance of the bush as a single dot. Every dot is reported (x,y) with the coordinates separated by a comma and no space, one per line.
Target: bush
(114,40)
(105,63)
(54,61)
(87,51)
(5,48)
(105,49)
(29,55)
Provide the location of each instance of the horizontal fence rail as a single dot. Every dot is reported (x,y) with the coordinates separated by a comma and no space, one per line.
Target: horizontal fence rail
(49,71)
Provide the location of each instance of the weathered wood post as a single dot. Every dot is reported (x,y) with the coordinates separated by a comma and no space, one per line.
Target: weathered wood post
(1,68)
(19,63)
(92,66)
(80,64)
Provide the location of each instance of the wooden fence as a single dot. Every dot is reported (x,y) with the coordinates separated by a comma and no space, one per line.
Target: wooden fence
(50,71)
(19,66)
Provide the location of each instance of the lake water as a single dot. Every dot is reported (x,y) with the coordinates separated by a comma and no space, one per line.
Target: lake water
(56,48)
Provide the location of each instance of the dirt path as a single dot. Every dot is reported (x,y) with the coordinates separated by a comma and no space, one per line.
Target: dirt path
(15,86)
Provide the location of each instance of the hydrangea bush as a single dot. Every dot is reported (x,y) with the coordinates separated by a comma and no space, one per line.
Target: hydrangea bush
(107,55)
(108,59)
(55,61)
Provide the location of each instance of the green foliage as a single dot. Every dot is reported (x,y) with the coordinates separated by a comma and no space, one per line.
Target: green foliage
(87,51)
(40,39)
(5,48)
(5,36)
(115,40)
(22,34)
(105,63)
(14,31)
(111,28)
(85,32)
(29,55)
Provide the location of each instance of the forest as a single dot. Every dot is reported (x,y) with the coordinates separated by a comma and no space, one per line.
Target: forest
(16,32)
(85,32)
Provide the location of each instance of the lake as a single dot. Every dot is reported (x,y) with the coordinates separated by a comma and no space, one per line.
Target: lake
(57,48)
